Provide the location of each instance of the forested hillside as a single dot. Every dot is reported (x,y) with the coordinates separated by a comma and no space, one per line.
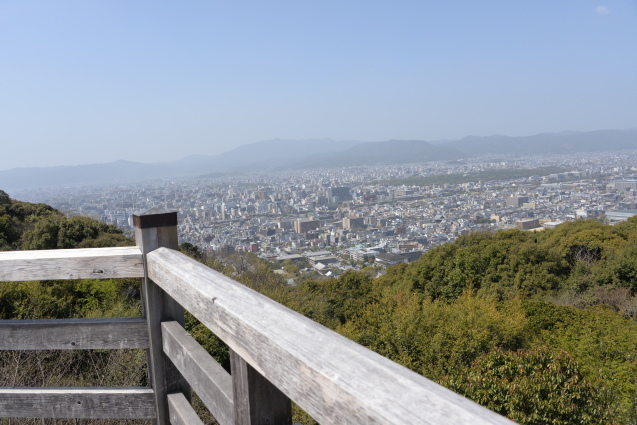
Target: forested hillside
(24,225)
(541,327)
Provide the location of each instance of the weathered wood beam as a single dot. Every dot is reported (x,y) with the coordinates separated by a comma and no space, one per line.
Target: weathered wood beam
(181,412)
(256,400)
(65,264)
(207,378)
(331,377)
(155,229)
(73,334)
(81,403)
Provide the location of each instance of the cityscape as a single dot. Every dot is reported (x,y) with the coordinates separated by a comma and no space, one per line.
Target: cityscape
(304,213)
(353,217)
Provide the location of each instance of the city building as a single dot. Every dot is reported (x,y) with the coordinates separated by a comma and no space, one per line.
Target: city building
(517,200)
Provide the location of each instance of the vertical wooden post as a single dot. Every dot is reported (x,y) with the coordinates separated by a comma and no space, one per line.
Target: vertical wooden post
(256,400)
(153,229)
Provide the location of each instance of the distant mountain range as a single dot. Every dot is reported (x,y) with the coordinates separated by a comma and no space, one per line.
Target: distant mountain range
(389,152)
(320,153)
(564,142)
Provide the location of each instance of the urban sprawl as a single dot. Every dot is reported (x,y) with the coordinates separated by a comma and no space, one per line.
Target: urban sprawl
(332,220)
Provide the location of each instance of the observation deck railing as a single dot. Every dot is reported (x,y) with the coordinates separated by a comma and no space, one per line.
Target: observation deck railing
(277,355)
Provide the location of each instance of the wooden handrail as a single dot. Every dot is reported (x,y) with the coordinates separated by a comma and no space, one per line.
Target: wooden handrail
(77,403)
(74,334)
(64,264)
(331,377)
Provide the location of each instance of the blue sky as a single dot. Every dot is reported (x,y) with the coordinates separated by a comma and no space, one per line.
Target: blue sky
(88,81)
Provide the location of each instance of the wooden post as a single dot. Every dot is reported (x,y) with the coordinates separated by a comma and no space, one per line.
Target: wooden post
(256,400)
(153,229)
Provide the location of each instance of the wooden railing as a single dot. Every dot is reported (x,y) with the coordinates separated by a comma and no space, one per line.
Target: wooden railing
(277,355)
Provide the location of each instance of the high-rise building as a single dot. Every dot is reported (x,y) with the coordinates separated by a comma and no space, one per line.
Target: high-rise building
(304,226)
(517,200)
(227,250)
(622,186)
(353,223)
(528,224)
(339,194)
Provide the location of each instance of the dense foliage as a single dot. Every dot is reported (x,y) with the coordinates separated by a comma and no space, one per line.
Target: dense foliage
(537,386)
(25,225)
(541,327)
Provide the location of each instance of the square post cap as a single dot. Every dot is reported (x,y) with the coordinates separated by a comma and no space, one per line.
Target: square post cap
(155,217)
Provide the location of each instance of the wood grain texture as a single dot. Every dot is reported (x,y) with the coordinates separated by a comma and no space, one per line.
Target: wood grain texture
(65,264)
(181,412)
(73,334)
(256,400)
(81,403)
(331,377)
(158,307)
(207,378)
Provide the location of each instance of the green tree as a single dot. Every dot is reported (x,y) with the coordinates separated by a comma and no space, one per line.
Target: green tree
(291,269)
(43,235)
(9,231)
(604,343)
(432,337)
(59,232)
(534,387)
(192,251)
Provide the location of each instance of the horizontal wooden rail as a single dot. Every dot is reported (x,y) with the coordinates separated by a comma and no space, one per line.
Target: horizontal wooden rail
(80,403)
(64,264)
(181,412)
(331,377)
(61,334)
(207,378)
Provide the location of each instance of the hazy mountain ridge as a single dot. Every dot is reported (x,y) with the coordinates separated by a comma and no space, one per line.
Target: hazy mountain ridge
(83,174)
(564,142)
(276,153)
(389,152)
(320,153)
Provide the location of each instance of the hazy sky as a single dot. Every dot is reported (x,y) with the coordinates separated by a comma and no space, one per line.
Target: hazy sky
(90,81)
